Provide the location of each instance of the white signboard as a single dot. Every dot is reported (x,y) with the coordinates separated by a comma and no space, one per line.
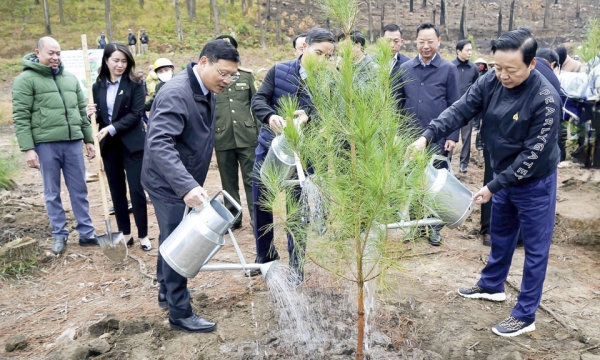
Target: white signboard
(73,62)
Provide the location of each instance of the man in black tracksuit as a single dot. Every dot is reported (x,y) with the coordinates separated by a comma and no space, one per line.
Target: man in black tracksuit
(521,114)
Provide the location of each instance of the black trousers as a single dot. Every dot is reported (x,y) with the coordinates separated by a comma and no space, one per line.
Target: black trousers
(169,215)
(486,209)
(465,135)
(118,162)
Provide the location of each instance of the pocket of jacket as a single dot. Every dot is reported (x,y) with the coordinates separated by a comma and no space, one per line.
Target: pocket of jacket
(242,86)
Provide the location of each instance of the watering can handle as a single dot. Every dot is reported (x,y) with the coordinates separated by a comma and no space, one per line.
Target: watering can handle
(442,158)
(188,209)
(232,201)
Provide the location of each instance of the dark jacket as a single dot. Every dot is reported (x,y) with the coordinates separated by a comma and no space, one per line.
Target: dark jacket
(236,126)
(520,127)
(428,91)
(282,79)
(131,39)
(544,68)
(395,74)
(144,38)
(180,140)
(468,73)
(127,113)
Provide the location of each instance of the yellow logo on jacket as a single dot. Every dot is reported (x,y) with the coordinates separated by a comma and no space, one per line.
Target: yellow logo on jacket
(516,117)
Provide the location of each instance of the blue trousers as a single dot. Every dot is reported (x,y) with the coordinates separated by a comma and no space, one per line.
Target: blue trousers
(263,219)
(532,209)
(168,215)
(68,157)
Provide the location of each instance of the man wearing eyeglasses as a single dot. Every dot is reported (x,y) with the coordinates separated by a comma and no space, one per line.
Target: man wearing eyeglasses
(283,79)
(430,86)
(179,145)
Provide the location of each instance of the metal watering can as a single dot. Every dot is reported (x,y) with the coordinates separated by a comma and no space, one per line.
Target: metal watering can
(282,159)
(200,235)
(452,199)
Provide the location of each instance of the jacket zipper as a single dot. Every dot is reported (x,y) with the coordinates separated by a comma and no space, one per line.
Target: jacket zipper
(64,104)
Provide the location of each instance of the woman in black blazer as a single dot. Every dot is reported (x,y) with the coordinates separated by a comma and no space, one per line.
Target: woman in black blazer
(119,97)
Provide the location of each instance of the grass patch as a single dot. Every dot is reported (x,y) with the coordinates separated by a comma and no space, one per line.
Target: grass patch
(9,165)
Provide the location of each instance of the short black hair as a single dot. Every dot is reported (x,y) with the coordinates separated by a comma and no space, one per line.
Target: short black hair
(355,36)
(391,28)
(296,39)
(428,25)
(319,35)
(562,54)
(547,54)
(520,39)
(462,43)
(216,50)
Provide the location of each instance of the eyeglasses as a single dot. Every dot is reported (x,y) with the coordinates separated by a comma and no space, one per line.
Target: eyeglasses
(225,75)
(320,53)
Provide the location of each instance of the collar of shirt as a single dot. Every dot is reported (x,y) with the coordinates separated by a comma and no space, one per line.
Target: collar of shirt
(394,60)
(111,96)
(303,73)
(423,62)
(204,89)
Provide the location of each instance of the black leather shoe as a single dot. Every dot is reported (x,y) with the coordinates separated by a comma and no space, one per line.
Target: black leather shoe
(162,301)
(91,241)
(273,255)
(435,239)
(59,245)
(193,324)
(236,226)
(463,168)
(486,239)
(130,242)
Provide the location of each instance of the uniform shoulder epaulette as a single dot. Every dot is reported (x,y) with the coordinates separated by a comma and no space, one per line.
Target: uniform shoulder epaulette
(244,70)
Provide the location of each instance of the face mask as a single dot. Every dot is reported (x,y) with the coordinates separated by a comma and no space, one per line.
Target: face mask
(165,76)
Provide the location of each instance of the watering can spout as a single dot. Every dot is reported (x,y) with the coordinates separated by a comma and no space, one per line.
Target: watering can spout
(264,268)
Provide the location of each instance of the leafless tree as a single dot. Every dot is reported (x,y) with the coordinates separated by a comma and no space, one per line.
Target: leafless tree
(215,10)
(511,16)
(278,38)
(47,18)
(178,20)
(141,3)
(224,14)
(546,13)
(263,31)
(107,20)
(382,19)
(61,12)
(411,6)
(463,22)
(443,12)
(500,18)
(577,10)
(370,11)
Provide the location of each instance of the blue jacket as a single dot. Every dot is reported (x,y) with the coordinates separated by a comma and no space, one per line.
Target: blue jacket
(282,79)
(519,128)
(428,91)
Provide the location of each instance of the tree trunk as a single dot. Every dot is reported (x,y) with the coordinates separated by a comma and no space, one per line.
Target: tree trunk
(215,9)
(61,12)
(244,7)
(107,20)
(193,2)
(37,2)
(424,4)
(433,20)
(263,31)
(307,7)
(178,20)
(224,14)
(382,20)
(278,39)
(442,13)
(249,3)
(396,11)
(411,6)
(231,2)
(463,22)
(188,9)
(47,18)
(577,10)
(361,319)
(370,9)
(546,14)
(555,2)
(500,19)
(511,16)
(141,3)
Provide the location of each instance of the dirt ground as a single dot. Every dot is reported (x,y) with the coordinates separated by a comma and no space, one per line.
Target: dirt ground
(422,317)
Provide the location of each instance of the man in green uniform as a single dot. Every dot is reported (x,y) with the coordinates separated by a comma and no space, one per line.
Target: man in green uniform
(236,135)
